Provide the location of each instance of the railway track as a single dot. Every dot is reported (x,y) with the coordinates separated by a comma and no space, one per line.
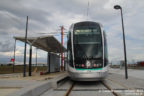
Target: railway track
(99,88)
(104,84)
(70,89)
(110,89)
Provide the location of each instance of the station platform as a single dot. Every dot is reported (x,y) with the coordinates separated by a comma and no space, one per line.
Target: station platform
(10,83)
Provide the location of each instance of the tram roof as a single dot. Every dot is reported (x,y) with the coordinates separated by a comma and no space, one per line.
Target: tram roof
(46,43)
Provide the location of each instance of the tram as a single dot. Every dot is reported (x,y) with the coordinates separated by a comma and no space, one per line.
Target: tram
(87,52)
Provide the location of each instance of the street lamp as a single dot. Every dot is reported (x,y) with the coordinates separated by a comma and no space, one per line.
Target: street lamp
(119,7)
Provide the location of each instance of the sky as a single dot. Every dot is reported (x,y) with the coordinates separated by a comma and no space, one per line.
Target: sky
(46,16)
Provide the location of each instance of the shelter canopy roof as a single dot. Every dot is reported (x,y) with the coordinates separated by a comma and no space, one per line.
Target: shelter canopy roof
(46,43)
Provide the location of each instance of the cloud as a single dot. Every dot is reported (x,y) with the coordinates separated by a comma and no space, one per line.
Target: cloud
(47,15)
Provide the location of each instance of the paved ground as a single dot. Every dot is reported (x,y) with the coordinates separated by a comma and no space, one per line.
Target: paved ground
(7,91)
(10,83)
(131,72)
(130,83)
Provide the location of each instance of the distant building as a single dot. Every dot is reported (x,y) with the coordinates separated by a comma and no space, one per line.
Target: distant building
(141,63)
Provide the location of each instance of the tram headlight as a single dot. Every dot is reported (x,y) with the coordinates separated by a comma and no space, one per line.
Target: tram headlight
(82,65)
(97,65)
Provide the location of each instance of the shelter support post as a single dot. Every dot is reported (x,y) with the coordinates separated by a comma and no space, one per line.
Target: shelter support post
(48,61)
(14,56)
(64,63)
(30,60)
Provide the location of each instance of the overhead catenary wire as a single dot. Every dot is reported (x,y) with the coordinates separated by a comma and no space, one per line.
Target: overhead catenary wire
(87,11)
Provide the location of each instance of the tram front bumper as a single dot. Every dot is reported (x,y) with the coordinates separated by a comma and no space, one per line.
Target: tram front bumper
(89,76)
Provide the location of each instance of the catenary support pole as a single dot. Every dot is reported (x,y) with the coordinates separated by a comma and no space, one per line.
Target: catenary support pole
(24,70)
(62,67)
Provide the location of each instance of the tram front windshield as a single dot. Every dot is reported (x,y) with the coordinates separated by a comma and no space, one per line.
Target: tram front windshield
(87,42)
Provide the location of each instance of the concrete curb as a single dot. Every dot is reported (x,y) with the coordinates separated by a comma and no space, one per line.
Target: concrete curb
(39,88)
(58,80)
(35,90)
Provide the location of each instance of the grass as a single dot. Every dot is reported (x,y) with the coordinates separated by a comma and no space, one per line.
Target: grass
(7,69)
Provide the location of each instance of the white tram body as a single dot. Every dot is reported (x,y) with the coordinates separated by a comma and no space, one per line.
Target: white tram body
(87,52)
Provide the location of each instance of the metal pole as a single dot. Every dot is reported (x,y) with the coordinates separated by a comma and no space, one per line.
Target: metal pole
(125,56)
(36,56)
(24,73)
(64,61)
(62,49)
(49,62)
(14,55)
(30,60)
